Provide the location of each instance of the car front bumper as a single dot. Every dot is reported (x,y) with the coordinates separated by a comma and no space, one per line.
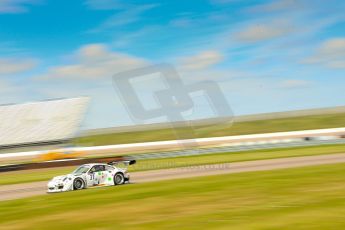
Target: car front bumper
(54,187)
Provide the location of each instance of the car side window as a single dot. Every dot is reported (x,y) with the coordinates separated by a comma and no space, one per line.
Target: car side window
(97,168)
(101,168)
(92,170)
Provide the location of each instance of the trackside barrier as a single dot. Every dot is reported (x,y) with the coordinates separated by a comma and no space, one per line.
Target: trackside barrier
(241,141)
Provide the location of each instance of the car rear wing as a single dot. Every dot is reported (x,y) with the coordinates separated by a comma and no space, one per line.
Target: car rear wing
(124,162)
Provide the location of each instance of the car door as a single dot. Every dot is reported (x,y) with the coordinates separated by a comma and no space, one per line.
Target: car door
(101,175)
(109,175)
(96,175)
(90,177)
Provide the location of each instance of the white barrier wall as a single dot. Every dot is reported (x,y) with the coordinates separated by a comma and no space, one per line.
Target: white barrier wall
(41,121)
(263,138)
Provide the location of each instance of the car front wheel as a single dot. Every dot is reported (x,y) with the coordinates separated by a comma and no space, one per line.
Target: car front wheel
(78,184)
(119,179)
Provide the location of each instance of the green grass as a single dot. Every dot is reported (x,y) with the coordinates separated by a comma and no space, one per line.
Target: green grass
(301,198)
(46,174)
(239,128)
(27,176)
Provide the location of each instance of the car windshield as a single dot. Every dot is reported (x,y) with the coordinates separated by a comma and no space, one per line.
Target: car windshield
(81,169)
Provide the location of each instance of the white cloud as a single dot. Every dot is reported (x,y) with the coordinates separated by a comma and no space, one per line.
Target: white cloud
(127,39)
(10,92)
(15,6)
(280,5)
(14,66)
(128,16)
(182,22)
(124,13)
(202,60)
(94,62)
(4,85)
(330,53)
(264,31)
(292,84)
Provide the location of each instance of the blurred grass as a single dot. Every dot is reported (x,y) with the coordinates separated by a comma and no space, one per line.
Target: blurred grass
(27,176)
(47,174)
(301,198)
(238,128)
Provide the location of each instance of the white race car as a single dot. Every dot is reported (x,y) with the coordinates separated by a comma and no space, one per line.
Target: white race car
(89,175)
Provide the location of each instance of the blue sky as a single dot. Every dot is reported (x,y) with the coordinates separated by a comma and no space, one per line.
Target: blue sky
(265,55)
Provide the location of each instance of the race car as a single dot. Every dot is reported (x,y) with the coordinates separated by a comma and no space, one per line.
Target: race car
(90,175)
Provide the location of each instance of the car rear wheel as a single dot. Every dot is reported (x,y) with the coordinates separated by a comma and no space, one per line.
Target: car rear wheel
(119,179)
(78,184)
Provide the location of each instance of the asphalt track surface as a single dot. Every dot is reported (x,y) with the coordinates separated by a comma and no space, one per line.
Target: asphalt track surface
(10,192)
